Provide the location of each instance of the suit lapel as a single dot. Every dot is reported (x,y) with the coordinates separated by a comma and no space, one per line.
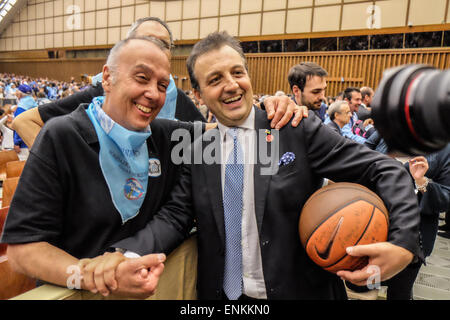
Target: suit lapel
(261,178)
(213,178)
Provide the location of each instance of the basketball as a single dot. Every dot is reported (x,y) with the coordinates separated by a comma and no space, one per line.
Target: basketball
(338,216)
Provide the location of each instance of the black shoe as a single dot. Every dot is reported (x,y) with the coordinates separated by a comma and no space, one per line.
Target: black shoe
(444,234)
(444,227)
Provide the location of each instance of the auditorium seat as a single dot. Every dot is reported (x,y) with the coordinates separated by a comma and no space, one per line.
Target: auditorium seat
(3,213)
(5,157)
(12,283)
(14,168)
(9,187)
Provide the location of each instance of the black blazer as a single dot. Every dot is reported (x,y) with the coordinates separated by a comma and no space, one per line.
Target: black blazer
(437,197)
(334,126)
(279,198)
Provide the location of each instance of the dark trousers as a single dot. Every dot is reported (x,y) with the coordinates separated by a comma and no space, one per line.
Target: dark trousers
(400,287)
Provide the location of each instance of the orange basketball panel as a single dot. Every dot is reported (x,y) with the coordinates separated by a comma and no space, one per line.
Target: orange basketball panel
(376,231)
(348,263)
(328,242)
(322,203)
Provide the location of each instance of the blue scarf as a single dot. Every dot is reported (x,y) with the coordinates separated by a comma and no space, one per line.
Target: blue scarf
(170,105)
(97,79)
(27,103)
(123,159)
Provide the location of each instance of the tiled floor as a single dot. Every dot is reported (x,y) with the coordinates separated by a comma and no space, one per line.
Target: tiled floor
(433,281)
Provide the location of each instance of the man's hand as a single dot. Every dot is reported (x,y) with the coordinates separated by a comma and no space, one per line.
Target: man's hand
(280,110)
(99,273)
(114,273)
(211,125)
(367,122)
(138,277)
(389,258)
(418,167)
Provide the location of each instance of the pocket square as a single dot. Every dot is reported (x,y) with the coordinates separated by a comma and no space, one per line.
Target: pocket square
(287,158)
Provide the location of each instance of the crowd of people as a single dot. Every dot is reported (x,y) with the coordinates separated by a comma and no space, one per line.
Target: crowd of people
(132,201)
(43,89)
(18,93)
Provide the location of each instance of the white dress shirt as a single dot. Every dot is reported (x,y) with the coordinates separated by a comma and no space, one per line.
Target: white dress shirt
(252,271)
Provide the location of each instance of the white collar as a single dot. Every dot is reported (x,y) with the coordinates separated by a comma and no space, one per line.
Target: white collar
(249,123)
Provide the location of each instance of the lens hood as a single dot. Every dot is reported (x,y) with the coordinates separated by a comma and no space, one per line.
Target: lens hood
(411,108)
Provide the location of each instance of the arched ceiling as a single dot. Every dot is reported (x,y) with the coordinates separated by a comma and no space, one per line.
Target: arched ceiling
(8,10)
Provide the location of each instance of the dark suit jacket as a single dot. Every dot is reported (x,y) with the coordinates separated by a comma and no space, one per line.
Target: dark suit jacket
(334,126)
(279,198)
(437,197)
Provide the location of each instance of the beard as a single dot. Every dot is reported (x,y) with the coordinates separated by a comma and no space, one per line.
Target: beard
(309,104)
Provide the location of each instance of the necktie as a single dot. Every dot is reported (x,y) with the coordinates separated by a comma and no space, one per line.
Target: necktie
(232,203)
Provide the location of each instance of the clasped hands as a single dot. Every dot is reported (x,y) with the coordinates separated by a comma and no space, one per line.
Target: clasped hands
(126,277)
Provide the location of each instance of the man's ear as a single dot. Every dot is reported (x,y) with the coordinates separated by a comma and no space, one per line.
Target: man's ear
(107,78)
(198,96)
(297,93)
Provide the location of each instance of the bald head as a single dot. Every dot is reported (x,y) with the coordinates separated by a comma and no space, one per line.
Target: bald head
(135,80)
(152,27)
(113,57)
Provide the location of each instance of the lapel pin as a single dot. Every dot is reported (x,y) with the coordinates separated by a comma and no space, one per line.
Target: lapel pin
(269,136)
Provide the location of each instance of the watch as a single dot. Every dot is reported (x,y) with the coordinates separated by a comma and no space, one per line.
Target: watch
(422,187)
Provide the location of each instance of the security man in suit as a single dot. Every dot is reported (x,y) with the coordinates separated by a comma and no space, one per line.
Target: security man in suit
(248,242)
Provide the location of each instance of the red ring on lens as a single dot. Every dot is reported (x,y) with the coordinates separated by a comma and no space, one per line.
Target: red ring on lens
(407,110)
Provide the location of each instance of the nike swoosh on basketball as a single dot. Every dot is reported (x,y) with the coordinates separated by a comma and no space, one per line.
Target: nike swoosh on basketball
(324,254)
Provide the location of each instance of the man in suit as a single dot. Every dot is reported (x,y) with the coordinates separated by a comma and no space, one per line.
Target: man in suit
(308,84)
(353,97)
(431,175)
(364,110)
(340,115)
(247,212)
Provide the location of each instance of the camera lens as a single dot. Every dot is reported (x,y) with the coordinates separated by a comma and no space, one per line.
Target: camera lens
(411,108)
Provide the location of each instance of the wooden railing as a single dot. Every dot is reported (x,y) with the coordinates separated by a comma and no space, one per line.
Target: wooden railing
(351,68)
(268,71)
